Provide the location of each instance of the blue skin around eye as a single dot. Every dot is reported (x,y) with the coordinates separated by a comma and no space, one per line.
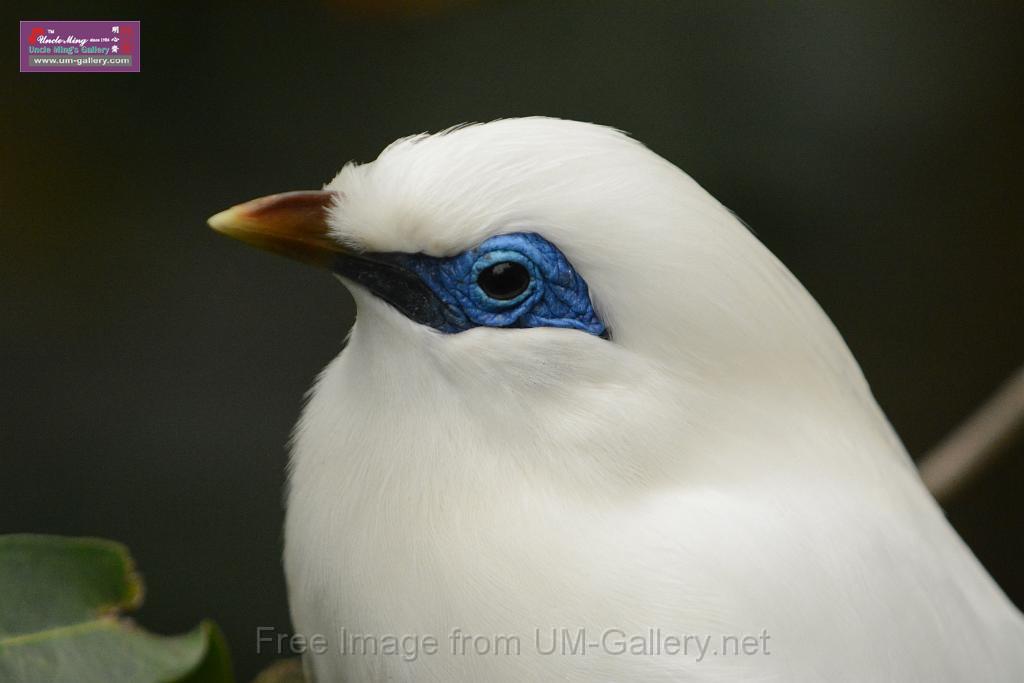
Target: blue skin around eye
(556,297)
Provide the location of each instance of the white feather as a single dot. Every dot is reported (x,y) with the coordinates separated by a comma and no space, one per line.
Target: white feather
(719,468)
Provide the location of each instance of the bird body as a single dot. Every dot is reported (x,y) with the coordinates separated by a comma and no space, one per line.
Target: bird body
(547,503)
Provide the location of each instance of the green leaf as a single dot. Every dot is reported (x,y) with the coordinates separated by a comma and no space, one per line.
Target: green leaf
(61,619)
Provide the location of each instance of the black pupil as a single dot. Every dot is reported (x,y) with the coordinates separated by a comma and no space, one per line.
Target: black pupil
(505,280)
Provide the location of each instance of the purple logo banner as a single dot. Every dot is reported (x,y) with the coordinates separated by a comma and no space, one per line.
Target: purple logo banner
(80,46)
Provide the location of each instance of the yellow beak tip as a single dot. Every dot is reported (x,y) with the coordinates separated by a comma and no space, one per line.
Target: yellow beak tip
(223,220)
(293,224)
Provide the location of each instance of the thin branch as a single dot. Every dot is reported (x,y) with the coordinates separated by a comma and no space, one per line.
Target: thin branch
(976,443)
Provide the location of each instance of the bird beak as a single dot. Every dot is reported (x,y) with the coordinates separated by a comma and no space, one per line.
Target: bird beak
(293,224)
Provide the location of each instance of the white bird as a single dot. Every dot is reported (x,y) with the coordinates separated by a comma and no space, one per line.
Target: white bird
(587,428)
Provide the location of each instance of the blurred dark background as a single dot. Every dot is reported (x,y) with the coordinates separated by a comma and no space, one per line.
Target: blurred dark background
(151,370)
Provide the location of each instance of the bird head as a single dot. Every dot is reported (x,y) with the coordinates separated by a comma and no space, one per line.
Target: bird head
(541,262)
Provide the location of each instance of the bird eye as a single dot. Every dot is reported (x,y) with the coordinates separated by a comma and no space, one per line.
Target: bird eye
(504,281)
